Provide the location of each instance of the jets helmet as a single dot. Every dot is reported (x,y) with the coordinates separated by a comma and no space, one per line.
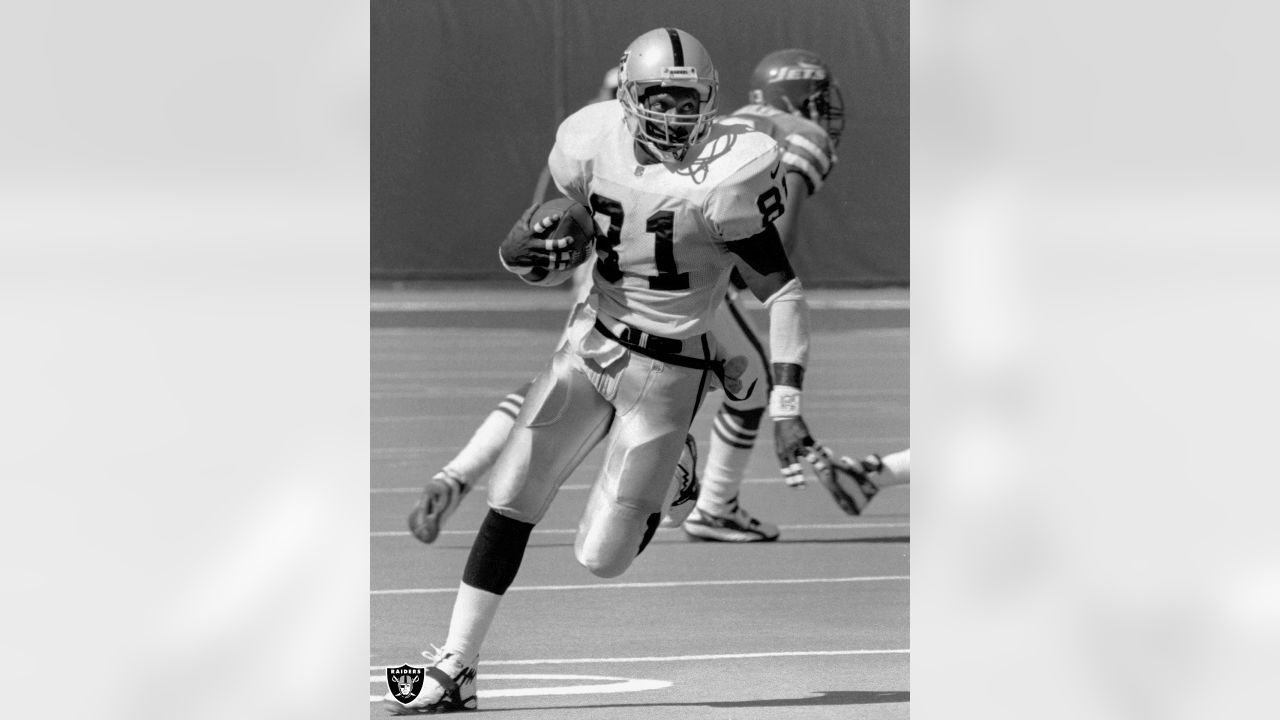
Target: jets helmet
(666,58)
(798,82)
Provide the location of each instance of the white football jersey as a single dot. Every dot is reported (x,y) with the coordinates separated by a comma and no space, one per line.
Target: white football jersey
(662,252)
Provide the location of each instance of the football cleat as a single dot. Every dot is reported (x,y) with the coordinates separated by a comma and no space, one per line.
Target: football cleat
(737,526)
(439,499)
(449,686)
(687,485)
(846,479)
(871,464)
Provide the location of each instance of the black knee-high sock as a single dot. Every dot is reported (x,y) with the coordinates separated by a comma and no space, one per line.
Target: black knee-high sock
(497,552)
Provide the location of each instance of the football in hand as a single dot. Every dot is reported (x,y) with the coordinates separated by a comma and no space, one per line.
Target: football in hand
(575,223)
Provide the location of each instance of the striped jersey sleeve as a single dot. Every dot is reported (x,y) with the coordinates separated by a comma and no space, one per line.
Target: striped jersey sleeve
(812,158)
(806,148)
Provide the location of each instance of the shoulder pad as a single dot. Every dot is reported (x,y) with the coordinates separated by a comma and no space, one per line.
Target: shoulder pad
(577,143)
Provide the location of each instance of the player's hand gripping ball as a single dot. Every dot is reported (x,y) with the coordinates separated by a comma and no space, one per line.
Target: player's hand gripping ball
(554,235)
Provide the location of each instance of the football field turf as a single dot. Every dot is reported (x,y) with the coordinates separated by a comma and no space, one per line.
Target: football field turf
(814,625)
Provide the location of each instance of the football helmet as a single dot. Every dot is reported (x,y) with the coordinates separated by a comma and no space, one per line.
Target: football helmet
(666,58)
(798,82)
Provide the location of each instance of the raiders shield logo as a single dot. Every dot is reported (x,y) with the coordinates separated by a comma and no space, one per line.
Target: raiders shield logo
(405,682)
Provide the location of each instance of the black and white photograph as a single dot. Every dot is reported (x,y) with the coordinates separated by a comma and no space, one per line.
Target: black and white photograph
(640,358)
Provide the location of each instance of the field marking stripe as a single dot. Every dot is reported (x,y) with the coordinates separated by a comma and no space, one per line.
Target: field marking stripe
(644,585)
(695,658)
(521,305)
(571,531)
(619,685)
(684,658)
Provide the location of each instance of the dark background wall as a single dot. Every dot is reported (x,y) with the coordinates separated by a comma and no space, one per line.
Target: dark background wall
(466,96)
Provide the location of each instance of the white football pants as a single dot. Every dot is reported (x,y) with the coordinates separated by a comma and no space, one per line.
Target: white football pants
(596,389)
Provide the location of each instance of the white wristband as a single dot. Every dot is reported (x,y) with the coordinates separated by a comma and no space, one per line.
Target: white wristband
(784,402)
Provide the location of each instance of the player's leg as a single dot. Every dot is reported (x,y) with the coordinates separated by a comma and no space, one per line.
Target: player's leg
(562,419)
(444,491)
(480,452)
(654,405)
(719,514)
(891,469)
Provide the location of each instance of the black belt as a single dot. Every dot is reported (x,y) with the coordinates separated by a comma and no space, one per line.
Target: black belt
(637,338)
(648,345)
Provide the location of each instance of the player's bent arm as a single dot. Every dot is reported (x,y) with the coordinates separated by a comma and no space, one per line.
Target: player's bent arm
(797,194)
(789,345)
(788,348)
(789,351)
(767,272)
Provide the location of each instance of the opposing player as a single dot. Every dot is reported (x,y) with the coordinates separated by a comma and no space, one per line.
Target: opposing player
(795,100)
(680,200)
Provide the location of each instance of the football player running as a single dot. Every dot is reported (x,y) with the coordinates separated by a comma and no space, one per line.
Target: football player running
(795,100)
(680,200)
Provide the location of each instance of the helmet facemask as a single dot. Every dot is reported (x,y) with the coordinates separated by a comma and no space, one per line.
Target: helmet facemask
(668,59)
(668,133)
(820,102)
(826,108)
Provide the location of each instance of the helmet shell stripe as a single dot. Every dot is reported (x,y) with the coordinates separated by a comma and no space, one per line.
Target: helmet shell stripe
(677,48)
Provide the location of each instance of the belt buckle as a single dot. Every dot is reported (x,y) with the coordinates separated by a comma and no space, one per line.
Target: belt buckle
(636,336)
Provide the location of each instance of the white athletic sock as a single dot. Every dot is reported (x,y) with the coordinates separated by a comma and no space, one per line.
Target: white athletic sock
(733,435)
(481,451)
(473,612)
(897,469)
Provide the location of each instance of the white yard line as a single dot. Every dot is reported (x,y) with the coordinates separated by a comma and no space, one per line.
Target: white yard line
(680,658)
(647,585)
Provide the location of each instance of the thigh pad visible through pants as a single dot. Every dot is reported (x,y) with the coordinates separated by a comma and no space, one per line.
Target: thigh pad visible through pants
(640,458)
(562,418)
